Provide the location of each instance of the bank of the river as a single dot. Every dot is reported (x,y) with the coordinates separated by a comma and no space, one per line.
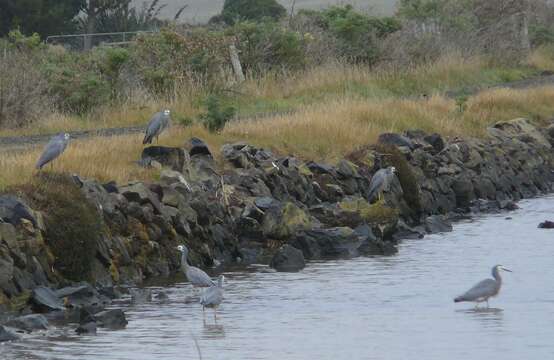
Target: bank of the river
(61,229)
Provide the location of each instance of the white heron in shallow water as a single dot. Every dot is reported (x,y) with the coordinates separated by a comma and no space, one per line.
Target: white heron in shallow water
(484,289)
(195,276)
(213,296)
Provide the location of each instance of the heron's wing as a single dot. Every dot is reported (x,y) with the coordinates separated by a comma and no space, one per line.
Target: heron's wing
(154,124)
(52,150)
(376,183)
(482,289)
(199,277)
(212,296)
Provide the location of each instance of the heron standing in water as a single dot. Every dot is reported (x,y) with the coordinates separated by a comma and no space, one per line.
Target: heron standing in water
(213,296)
(484,289)
(195,276)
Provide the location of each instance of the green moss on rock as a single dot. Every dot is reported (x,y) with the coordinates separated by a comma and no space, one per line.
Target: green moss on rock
(376,213)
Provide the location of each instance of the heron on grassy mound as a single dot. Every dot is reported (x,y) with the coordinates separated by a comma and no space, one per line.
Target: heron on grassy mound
(195,276)
(55,147)
(159,122)
(484,289)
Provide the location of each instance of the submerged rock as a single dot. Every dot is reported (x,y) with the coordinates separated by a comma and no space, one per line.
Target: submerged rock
(338,242)
(546,225)
(288,259)
(112,319)
(7,335)
(437,224)
(29,322)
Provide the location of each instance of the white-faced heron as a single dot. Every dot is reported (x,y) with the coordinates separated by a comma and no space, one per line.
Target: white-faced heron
(53,149)
(197,277)
(380,181)
(484,289)
(213,296)
(159,122)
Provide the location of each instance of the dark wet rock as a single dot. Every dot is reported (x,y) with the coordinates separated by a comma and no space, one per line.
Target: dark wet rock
(546,225)
(78,296)
(288,259)
(161,296)
(112,319)
(13,209)
(395,140)
(404,231)
(45,299)
(237,154)
(139,193)
(7,335)
(88,328)
(111,187)
(170,157)
(437,224)
(508,205)
(436,141)
(140,296)
(265,203)
(29,323)
(338,242)
(463,188)
(198,147)
(320,168)
(373,245)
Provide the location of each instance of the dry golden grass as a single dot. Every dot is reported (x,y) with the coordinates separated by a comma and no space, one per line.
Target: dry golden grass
(321,132)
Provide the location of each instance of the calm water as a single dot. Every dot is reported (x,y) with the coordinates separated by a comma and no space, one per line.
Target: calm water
(368,308)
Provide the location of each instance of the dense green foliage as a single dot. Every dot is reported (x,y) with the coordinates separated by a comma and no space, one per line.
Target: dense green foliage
(217,114)
(47,17)
(240,10)
(356,33)
(73,225)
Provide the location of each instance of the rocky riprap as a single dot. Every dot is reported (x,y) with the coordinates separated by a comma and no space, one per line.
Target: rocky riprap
(255,207)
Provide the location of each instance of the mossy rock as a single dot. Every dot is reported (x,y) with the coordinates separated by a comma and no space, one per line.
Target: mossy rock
(20,301)
(284,222)
(376,213)
(73,225)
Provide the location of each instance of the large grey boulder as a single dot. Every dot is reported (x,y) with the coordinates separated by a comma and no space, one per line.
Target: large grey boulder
(140,193)
(45,299)
(288,259)
(13,209)
(338,242)
(170,157)
(29,323)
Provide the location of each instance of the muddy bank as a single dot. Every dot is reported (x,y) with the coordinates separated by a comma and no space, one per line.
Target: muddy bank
(65,229)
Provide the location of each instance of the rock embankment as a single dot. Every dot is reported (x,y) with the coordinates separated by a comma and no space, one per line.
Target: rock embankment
(254,207)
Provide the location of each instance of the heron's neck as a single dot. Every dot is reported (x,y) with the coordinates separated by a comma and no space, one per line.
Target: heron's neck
(496,275)
(184,262)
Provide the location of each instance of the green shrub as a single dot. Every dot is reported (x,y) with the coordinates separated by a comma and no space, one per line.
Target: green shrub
(541,35)
(356,33)
(240,10)
(73,224)
(167,59)
(217,114)
(267,45)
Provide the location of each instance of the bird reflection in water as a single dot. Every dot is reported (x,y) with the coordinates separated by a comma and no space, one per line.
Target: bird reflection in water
(213,331)
(488,317)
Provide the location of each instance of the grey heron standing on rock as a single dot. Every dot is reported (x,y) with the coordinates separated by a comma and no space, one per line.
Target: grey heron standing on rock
(195,276)
(213,296)
(484,289)
(159,122)
(55,147)
(380,181)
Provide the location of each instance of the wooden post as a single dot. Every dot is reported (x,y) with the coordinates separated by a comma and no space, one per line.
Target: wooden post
(237,67)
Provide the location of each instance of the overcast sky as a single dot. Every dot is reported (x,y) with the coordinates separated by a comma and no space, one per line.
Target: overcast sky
(202,10)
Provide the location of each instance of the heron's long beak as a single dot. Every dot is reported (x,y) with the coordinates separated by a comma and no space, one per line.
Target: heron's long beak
(508,270)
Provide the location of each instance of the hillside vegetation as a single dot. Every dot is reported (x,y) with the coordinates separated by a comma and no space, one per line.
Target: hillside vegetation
(326,83)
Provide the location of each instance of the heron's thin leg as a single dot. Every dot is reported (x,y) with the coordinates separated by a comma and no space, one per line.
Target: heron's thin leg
(215,314)
(487,303)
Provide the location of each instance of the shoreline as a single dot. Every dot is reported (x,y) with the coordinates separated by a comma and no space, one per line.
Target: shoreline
(247,211)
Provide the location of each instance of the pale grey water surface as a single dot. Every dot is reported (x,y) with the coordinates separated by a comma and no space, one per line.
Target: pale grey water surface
(368,308)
